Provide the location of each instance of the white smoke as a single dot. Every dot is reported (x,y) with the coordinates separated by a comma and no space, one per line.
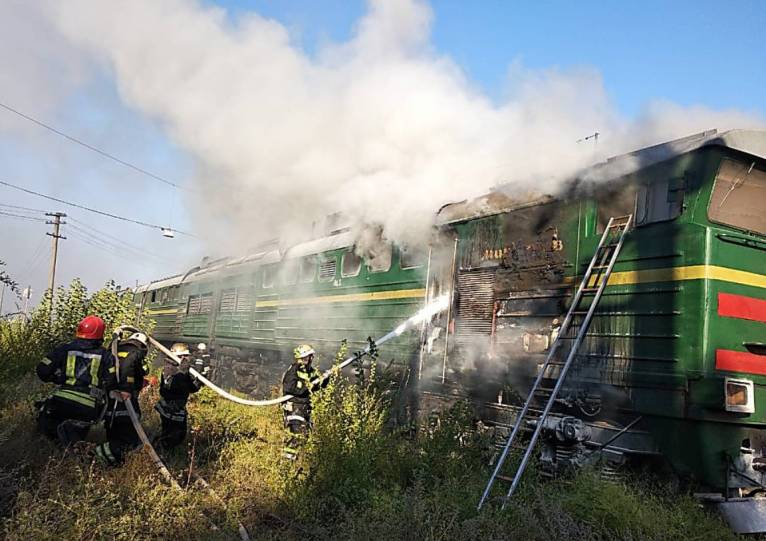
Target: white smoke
(381,128)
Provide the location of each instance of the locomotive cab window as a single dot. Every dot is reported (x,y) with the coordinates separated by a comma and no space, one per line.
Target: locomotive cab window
(412,257)
(739,197)
(308,268)
(327,269)
(379,259)
(352,263)
(659,201)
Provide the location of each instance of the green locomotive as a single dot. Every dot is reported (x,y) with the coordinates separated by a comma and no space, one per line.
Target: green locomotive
(676,350)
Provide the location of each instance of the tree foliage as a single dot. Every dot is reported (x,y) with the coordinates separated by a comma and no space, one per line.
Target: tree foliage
(24,342)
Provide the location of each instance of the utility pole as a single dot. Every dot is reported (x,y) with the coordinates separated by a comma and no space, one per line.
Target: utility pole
(26,295)
(56,223)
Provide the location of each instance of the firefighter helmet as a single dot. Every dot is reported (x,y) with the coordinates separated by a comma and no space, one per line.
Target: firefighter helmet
(140,337)
(303,351)
(202,346)
(91,327)
(179,348)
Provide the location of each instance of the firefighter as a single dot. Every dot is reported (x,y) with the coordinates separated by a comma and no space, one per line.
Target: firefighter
(120,433)
(176,384)
(84,372)
(296,381)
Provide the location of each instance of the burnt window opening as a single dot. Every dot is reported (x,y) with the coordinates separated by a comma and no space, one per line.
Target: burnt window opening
(154,296)
(308,269)
(615,203)
(290,273)
(379,258)
(739,197)
(412,257)
(327,269)
(351,265)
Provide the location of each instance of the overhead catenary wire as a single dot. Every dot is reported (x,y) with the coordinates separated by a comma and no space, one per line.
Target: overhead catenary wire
(89,209)
(91,147)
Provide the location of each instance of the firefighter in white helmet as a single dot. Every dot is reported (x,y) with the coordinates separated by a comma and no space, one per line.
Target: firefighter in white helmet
(299,381)
(130,369)
(176,384)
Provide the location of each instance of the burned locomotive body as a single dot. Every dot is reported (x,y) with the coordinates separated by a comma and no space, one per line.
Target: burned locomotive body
(672,363)
(672,366)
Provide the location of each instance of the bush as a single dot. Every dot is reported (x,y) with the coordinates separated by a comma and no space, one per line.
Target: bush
(23,343)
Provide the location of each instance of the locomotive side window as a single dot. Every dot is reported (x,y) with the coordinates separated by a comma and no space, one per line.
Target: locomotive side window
(269,272)
(308,267)
(352,263)
(154,296)
(379,259)
(290,272)
(739,197)
(412,257)
(327,269)
(659,201)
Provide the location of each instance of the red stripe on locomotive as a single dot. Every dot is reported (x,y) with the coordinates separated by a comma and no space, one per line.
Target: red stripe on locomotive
(740,361)
(741,307)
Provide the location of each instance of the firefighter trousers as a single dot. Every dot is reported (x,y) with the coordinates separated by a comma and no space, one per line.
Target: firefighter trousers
(66,421)
(298,424)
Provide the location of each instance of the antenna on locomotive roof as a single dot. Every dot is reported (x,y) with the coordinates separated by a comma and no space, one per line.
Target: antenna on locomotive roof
(593,136)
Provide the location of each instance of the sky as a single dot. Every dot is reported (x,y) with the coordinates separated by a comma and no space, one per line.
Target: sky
(629,66)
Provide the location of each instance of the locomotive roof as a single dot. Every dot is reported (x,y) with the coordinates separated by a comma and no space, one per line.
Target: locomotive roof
(233,264)
(752,142)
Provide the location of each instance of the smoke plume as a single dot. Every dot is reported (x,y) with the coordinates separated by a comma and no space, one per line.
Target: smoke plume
(381,128)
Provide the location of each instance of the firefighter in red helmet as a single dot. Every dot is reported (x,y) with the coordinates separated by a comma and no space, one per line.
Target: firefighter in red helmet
(84,372)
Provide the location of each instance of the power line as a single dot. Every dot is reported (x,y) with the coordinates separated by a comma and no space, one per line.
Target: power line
(21,216)
(82,238)
(41,211)
(91,147)
(119,245)
(83,207)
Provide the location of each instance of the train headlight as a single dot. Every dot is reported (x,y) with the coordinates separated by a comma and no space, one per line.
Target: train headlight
(739,395)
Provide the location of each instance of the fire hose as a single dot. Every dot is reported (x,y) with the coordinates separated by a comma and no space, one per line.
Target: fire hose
(243,533)
(438,305)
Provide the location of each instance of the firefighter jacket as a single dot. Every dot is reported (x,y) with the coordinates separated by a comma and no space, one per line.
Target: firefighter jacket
(297,382)
(130,366)
(176,384)
(82,368)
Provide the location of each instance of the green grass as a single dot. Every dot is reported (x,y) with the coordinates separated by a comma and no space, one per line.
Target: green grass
(357,478)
